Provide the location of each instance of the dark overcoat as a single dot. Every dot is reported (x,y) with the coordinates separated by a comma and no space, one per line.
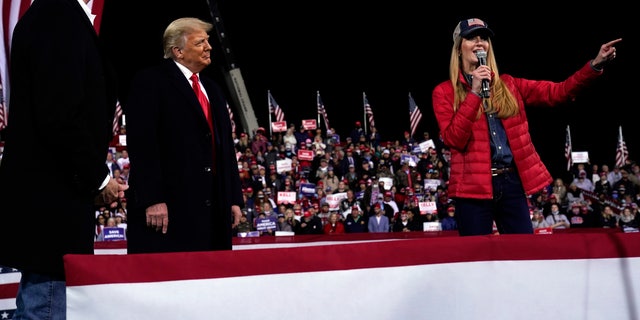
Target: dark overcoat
(172,161)
(61,107)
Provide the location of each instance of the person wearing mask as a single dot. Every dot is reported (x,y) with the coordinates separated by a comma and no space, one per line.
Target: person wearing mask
(481,116)
(185,192)
(62,89)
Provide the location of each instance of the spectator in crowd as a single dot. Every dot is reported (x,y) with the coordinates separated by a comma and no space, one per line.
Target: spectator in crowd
(123,159)
(607,218)
(557,219)
(283,224)
(404,223)
(449,221)
(574,194)
(101,220)
(491,175)
(355,222)
(628,219)
(290,218)
(580,217)
(388,200)
(243,144)
(334,225)
(243,226)
(190,198)
(62,92)
(310,224)
(625,183)
(583,182)
(615,175)
(111,163)
(348,203)
(378,222)
(289,139)
(603,186)
(559,189)
(538,221)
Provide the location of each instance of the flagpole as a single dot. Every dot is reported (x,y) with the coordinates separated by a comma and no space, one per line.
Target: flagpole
(318,108)
(269,106)
(364,118)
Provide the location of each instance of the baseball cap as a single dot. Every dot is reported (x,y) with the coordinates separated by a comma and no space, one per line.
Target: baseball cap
(468,26)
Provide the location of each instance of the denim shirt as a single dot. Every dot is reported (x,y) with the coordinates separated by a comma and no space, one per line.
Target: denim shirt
(501,155)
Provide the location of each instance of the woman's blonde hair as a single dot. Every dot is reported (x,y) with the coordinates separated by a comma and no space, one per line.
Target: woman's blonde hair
(502,101)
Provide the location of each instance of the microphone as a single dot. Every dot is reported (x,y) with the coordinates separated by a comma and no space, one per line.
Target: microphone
(482,59)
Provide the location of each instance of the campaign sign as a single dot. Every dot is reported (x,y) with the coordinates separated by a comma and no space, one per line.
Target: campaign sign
(309,124)
(266,224)
(305,155)
(427,207)
(431,184)
(279,126)
(580,157)
(432,226)
(283,166)
(286,197)
(113,234)
(308,189)
(334,200)
(425,145)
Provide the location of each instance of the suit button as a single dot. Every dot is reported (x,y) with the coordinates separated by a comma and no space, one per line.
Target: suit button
(207,169)
(207,203)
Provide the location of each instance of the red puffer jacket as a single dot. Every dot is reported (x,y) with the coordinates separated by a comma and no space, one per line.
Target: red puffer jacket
(468,137)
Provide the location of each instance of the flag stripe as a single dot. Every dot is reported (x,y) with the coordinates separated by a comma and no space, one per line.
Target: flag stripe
(275,108)
(116,119)
(233,122)
(621,151)
(323,111)
(415,115)
(369,112)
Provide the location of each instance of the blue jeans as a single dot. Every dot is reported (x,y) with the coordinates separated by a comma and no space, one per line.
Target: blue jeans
(41,297)
(509,208)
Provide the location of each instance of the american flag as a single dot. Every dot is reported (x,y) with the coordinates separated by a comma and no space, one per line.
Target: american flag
(568,149)
(275,108)
(233,122)
(9,279)
(415,115)
(116,119)
(621,151)
(322,111)
(368,111)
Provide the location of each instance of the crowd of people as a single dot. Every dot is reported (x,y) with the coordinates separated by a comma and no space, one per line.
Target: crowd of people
(359,183)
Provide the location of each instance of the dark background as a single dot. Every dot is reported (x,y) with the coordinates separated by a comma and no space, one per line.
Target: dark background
(392,49)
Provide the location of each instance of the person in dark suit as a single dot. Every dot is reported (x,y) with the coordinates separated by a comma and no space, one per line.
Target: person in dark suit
(63,97)
(185,192)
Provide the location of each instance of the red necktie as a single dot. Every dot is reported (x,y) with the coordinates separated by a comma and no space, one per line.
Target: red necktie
(202,98)
(204,102)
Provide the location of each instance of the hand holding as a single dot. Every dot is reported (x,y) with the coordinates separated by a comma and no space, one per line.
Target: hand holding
(113,192)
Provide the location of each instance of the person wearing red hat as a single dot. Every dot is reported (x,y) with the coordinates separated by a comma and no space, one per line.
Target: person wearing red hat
(309,224)
(356,132)
(580,216)
(378,222)
(482,120)
(404,223)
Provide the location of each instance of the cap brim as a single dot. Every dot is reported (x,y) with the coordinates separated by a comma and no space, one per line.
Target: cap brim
(477,31)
